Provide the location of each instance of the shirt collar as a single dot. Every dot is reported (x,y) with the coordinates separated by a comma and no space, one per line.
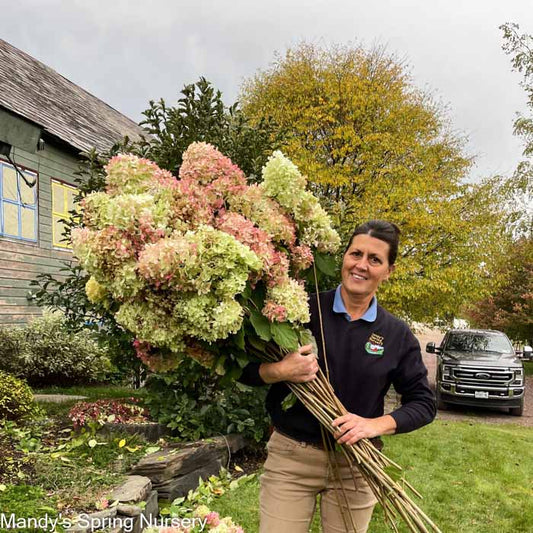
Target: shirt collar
(370,314)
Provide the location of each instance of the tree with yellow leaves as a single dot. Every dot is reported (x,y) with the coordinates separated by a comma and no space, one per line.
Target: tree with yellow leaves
(375,146)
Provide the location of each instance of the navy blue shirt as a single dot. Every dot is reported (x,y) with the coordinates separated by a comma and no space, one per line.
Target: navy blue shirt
(365,357)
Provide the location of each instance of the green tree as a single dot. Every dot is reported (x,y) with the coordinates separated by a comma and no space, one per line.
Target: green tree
(520,48)
(201,115)
(510,307)
(375,146)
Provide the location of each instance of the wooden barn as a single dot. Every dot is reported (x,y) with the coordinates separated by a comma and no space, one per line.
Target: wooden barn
(46,122)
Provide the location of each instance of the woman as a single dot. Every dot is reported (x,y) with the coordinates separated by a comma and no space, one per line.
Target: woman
(368,349)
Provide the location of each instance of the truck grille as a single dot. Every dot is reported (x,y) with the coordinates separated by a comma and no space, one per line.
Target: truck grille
(479,375)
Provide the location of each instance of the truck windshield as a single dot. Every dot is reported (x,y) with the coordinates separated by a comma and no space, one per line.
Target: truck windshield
(479,342)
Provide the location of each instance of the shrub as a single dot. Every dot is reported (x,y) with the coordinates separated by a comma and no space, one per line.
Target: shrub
(121,411)
(192,402)
(45,352)
(16,398)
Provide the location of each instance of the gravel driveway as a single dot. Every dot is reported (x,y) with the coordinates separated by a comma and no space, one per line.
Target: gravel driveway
(496,415)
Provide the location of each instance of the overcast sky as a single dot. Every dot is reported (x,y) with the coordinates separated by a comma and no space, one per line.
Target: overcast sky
(128,52)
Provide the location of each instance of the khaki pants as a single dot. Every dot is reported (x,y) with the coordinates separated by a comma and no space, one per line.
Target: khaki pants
(295,473)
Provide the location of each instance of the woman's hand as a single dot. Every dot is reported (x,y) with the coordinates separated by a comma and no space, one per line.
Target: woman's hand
(298,367)
(352,428)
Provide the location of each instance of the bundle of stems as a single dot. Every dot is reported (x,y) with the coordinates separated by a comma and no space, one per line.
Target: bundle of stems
(320,399)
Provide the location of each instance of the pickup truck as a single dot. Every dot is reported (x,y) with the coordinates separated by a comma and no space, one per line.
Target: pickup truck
(479,368)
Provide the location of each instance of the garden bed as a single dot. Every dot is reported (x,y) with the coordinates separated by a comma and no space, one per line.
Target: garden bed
(48,469)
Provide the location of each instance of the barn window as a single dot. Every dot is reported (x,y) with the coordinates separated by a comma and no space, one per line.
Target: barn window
(18,203)
(62,204)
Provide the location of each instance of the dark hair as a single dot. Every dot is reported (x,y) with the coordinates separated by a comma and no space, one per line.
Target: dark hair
(382,230)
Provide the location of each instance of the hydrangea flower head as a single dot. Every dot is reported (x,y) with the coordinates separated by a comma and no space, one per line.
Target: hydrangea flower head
(95,292)
(201,511)
(127,173)
(287,301)
(282,181)
(203,163)
(212,518)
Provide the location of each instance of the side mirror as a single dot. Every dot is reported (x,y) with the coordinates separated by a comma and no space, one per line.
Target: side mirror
(430,347)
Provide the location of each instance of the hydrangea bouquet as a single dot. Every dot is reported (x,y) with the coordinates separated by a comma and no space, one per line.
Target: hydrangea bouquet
(210,267)
(195,266)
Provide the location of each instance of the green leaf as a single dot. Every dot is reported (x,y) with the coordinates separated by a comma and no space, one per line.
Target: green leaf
(234,373)
(241,358)
(239,338)
(306,337)
(284,336)
(152,449)
(47,509)
(326,264)
(257,343)
(261,326)
(247,293)
(288,401)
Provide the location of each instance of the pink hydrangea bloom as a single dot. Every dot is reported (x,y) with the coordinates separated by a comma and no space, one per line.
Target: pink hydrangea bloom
(301,257)
(213,518)
(264,212)
(274,312)
(192,203)
(162,263)
(277,268)
(205,164)
(247,232)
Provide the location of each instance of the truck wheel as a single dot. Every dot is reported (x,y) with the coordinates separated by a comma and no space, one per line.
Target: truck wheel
(517,411)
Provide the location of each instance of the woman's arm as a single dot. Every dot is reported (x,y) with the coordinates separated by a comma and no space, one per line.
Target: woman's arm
(410,381)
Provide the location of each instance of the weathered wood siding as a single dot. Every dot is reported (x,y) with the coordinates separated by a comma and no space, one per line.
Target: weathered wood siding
(21,262)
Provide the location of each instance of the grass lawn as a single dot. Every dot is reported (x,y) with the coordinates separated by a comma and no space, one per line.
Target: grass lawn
(528,368)
(474,478)
(94,392)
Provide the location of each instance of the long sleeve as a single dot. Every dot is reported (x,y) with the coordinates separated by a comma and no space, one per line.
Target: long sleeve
(250,375)
(410,381)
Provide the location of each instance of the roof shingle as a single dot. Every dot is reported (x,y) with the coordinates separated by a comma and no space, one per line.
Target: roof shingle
(39,94)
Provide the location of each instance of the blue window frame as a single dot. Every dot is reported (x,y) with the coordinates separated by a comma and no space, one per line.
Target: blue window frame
(18,204)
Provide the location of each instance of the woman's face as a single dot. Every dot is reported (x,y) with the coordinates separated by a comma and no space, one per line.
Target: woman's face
(365,265)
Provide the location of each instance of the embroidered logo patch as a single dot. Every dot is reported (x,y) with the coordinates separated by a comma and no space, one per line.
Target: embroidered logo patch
(374,345)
